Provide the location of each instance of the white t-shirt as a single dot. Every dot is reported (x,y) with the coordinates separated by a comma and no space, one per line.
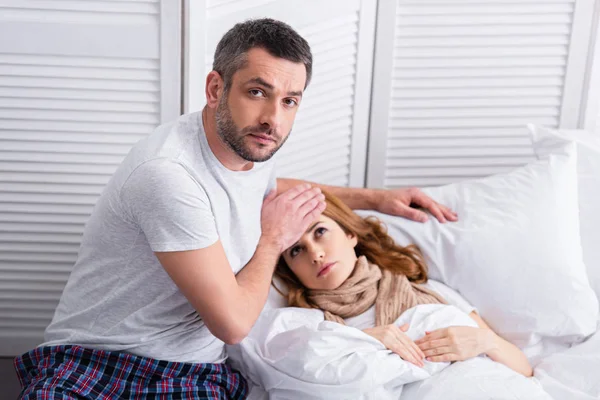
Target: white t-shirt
(367,319)
(169,194)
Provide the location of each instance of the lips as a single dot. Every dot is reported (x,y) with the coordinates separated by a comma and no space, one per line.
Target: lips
(263,137)
(325,268)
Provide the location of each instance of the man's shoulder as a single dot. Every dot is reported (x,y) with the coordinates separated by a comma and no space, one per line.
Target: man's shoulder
(169,143)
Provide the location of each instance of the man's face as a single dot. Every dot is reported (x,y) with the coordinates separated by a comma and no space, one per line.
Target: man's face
(256,116)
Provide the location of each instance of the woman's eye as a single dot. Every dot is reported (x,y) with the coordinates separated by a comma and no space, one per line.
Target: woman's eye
(294,251)
(320,231)
(256,93)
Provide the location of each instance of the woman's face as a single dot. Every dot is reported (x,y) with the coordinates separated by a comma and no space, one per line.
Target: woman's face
(324,256)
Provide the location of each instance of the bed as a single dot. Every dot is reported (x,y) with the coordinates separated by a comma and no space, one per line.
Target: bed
(526,239)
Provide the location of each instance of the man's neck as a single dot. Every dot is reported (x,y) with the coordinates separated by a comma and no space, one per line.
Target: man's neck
(221,150)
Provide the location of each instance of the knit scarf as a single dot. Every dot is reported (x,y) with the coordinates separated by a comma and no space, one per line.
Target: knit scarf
(391,293)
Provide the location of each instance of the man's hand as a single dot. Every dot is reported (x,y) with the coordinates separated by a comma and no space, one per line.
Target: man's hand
(399,201)
(286,217)
(456,343)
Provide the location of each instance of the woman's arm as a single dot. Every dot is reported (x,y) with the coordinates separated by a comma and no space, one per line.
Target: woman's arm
(458,343)
(505,352)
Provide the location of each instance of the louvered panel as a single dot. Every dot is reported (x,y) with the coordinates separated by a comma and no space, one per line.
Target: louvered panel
(20,226)
(69,158)
(464,103)
(465,78)
(76,126)
(337,135)
(306,155)
(149,109)
(54,219)
(17,255)
(312,166)
(325,155)
(15,193)
(54,147)
(321,144)
(45,178)
(460,142)
(225,7)
(452,162)
(49,211)
(80,83)
(120,7)
(74,137)
(464,132)
(20,167)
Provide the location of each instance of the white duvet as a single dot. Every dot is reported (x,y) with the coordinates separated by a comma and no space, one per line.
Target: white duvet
(293,353)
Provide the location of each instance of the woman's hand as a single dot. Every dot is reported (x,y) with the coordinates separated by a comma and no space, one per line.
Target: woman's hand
(456,343)
(394,338)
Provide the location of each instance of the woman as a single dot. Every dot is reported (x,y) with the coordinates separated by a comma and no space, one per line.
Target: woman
(350,268)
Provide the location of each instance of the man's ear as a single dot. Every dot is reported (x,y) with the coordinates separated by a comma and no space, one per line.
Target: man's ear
(214,89)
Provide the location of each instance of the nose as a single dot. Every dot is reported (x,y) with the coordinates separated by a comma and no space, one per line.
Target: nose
(317,254)
(270,116)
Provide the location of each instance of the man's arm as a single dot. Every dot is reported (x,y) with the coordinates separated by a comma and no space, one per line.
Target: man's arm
(230,304)
(393,201)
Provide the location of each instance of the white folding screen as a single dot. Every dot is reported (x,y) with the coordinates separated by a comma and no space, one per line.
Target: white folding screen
(591,117)
(80,83)
(455,82)
(328,142)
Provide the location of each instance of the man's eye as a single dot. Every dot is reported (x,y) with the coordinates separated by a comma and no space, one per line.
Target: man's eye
(256,93)
(291,102)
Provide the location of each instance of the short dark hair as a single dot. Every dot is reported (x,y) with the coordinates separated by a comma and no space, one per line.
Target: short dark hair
(276,37)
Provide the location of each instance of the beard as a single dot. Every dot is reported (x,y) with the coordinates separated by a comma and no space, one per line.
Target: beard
(237,139)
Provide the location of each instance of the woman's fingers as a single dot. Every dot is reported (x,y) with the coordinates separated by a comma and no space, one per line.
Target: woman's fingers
(413,349)
(431,344)
(437,334)
(421,354)
(449,357)
(405,353)
(438,351)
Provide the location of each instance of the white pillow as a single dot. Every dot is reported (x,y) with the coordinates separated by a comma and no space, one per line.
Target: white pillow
(515,252)
(588,181)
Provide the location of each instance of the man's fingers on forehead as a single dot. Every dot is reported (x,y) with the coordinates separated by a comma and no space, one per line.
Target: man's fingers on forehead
(307,193)
(296,190)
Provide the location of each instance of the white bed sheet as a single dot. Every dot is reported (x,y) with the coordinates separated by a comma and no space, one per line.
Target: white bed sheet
(296,355)
(572,374)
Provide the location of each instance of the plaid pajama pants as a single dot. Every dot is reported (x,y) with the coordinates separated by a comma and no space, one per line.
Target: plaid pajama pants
(75,372)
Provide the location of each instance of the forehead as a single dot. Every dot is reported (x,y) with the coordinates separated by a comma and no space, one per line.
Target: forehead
(283,74)
(324,220)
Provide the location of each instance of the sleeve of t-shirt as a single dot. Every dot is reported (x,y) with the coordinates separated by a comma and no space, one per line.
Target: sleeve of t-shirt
(169,206)
(451,296)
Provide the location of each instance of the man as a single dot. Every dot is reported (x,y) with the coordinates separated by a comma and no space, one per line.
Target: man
(178,254)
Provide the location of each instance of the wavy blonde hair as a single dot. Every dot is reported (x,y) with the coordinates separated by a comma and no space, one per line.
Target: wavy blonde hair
(373,242)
